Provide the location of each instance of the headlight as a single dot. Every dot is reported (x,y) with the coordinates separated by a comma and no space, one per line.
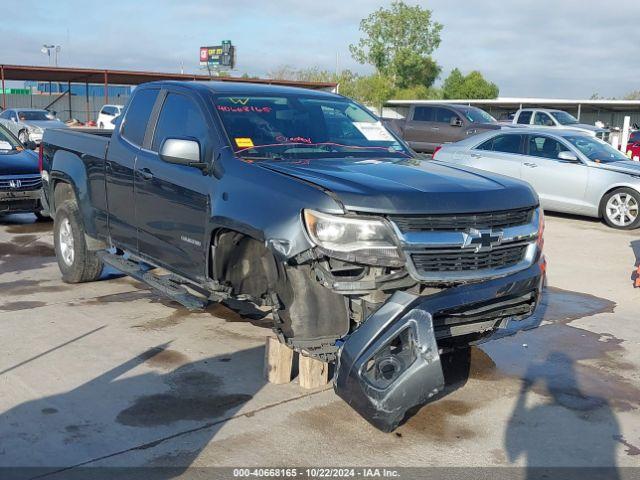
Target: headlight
(353,239)
(34,129)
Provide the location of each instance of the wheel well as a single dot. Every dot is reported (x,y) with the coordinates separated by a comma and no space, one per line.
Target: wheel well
(62,191)
(611,190)
(243,262)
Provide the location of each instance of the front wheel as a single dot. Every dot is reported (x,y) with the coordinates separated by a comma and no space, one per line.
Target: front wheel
(77,263)
(621,209)
(23,136)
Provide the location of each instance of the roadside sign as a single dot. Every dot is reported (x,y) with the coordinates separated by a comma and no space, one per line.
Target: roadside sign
(217,56)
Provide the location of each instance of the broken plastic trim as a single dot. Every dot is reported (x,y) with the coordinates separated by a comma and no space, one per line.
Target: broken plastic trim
(390,363)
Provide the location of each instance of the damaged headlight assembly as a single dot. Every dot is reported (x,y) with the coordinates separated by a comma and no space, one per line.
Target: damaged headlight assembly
(353,239)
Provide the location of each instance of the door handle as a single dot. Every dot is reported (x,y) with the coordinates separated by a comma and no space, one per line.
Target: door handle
(435,129)
(476,155)
(145,173)
(530,165)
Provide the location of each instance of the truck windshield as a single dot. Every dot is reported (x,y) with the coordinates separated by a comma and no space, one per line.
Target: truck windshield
(477,115)
(564,118)
(296,127)
(596,150)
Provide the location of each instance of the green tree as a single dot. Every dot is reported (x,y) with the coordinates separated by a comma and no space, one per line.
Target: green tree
(472,86)
(398,41)
(632,95)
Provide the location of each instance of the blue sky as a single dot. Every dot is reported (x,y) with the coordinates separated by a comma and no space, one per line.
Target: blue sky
(552,48)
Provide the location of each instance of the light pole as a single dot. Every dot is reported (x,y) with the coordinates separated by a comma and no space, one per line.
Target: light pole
(56,50)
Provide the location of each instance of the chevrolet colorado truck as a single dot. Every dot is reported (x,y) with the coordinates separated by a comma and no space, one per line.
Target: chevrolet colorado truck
(302,202)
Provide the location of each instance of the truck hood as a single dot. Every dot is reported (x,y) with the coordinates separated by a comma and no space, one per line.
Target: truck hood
(586,127)
(486,126)
(409,185)
(624,166)
(21,163)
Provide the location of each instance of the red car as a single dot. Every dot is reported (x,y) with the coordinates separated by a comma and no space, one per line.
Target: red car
(633,147)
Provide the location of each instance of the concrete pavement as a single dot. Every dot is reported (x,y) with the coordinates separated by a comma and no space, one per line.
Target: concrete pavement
(108,374)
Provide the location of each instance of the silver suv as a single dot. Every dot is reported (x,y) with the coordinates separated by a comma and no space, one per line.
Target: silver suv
(557,119)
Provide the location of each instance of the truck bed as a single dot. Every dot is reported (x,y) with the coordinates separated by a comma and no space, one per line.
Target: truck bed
(84,141)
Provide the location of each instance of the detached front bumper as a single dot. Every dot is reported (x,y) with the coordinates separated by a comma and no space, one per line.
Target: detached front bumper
(391,363)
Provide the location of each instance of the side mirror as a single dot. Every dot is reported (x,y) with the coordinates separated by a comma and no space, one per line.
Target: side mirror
(181,151)
(567,156)
(30,145)
(455,122)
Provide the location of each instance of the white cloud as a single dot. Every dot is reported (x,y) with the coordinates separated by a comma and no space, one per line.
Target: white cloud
(565,48)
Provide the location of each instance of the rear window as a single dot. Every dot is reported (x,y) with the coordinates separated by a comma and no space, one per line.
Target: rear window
(423,114)
(137,118)
(524,118)
(634,137)
(503,144)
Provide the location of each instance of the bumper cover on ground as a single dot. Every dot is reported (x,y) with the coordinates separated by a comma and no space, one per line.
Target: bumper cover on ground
(391,362)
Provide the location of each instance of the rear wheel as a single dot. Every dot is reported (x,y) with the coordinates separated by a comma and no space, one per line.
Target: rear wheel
(77,264)
(621,209)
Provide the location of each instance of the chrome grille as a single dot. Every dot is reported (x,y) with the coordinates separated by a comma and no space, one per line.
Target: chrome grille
(467,260)
(20,183)
(461,222)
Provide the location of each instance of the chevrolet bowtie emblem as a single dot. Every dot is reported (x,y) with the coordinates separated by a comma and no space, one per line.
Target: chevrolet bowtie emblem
(482,239)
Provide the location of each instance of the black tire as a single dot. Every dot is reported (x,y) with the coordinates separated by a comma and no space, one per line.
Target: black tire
(23,136)
(613,218)
(82,265)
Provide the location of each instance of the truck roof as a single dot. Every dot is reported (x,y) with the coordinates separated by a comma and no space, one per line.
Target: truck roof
(249,88)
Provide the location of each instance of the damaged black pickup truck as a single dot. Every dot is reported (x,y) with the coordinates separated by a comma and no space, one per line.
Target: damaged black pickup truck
(303,202)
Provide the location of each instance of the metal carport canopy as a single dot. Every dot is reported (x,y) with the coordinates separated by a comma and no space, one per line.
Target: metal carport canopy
(126,77)
(517,102)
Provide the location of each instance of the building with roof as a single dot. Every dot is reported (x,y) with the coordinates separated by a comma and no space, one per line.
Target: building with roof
(610,112)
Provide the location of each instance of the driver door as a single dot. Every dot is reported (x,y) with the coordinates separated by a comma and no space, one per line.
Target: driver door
(171,200)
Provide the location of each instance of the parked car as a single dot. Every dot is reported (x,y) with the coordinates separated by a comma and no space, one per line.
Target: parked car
(633,146)
(20,182)
(29,124)
(428,126)
(301,201)
(557,119)
(572,172)
(107,116)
